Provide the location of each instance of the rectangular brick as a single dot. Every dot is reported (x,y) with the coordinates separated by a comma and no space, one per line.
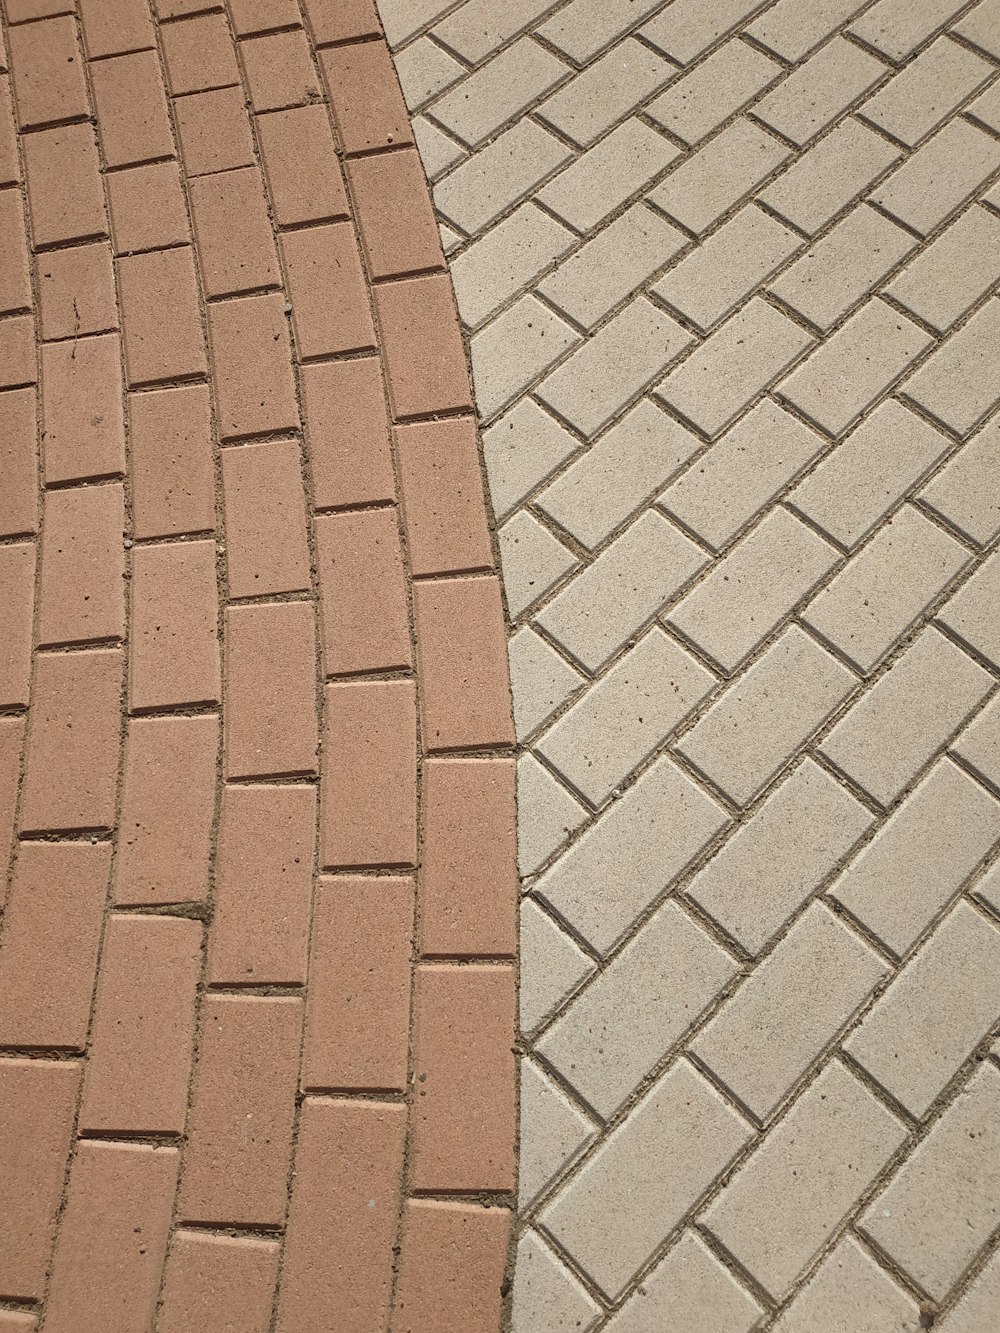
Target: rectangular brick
(957,494)
(743,471)
(752,731)
(271,690)
(358,1008)
(10,165)
(17,353)
(161,321)
(713,279)
(11,746)
(898,27)
(599,182)
(199,53)
(723,84)
(260,926)
(147,206)
(214,131)
(435,459)
(622,719)
(585,27)
(820,91)
(364,92)
(637,1010)
(462,661)
(941,1206)
(615,1214)
(500,90)
(81,593)
(425,69)
(301,166)
(364,614)
(143,1032)
(173,481)
(326,287)
(843,266)
(854,368)
(960,958)
(217,1279)
(590,388)
(478,28)
(253,366)
(498,264)
(953,272)
(19,462)
(606,92)
(233,259)
(792,30)
(630,580)
(76,289)
(829,176)
(38,1101)
(497,176)
(15,277)
(250,16)
(82,414)
(348,1167)
(424,356)
(927,92)
(939,177)
(168,808)
(347,433)
(239,1137)
(464,1068)
(73,737)
(175,638)
(64,185)
(279,70)
(113,1237)
(771,569)
(452,1262)
(934,686)
(741,359)
(52,934)
(884,590)
(641,451)
(718,176)
(131,109)
(265,519)
(111,26)
(337,20)
(615,850)
(812,1167)
(609,267)
(920,858)
(769,1032)
(395,218)
(17,599)
(690,27)
(879,462)
(514,350)
(369,814)
(468,888)
(805,827)
(48,73)
(959,384)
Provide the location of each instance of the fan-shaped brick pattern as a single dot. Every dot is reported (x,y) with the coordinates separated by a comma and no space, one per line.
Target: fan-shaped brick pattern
(727,271)
(257,984)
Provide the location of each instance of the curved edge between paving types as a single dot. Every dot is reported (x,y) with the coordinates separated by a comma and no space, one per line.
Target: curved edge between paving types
(257,978)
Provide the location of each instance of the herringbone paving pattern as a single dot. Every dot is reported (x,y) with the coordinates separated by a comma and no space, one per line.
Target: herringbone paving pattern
(728,273)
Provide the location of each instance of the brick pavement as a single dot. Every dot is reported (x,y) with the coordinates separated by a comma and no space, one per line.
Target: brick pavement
(727,271)
(257,983)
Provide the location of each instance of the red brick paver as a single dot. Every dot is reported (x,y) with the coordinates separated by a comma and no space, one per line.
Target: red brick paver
(257,939)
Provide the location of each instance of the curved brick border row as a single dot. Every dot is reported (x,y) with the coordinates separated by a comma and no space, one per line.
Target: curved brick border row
(256,953)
